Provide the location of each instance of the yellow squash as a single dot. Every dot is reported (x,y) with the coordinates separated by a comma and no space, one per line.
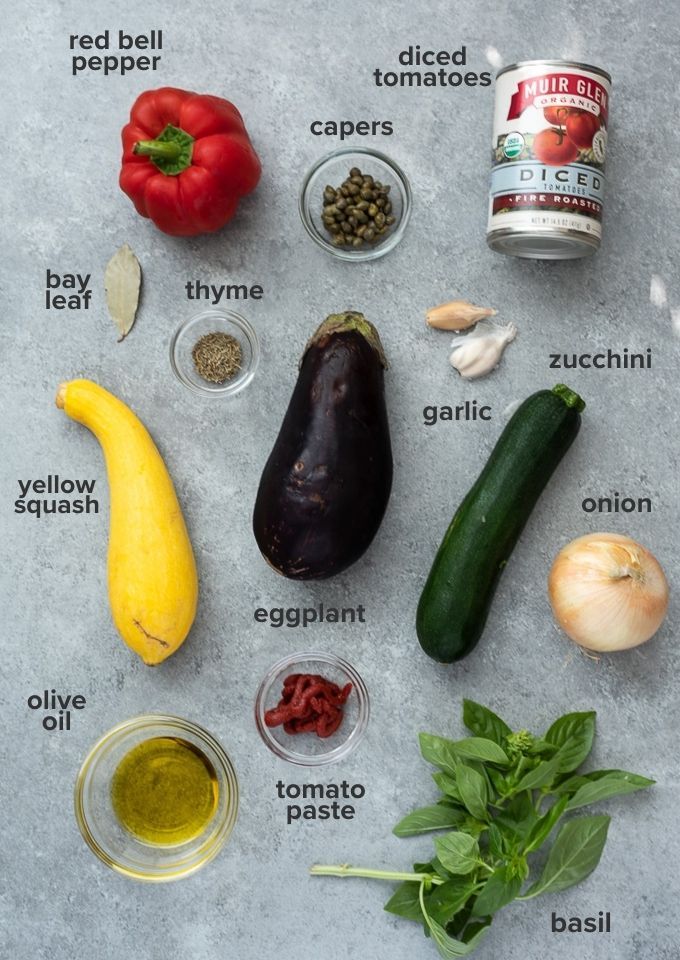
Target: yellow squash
(153,585)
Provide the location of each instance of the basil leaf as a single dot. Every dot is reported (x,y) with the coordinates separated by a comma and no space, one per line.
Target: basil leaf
(475,828)
(479,748)
(450,948)
(439,751)
(518,817)
(541,830)
(473,931)
(573,856)
(440,869)
(573,734)
(499,890)
(405,901)
(594,790)
(498,781)
(429,818)
(540,747)
(434,866)
(572,784)
(497,847)
(447,785)
(516,820)
(473,790)
(457,852)
(518,867)
(484,723)
(541,775)
(569,785)
(444,901)
(456,926)
(619,774)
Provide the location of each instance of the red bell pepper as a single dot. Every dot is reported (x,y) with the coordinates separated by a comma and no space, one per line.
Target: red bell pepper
(187,160)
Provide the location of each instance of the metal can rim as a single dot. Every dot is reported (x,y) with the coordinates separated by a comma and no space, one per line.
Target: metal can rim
(556,63)
(585,243)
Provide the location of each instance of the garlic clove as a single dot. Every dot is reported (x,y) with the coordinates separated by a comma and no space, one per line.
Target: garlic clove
(476,354)
(457,315)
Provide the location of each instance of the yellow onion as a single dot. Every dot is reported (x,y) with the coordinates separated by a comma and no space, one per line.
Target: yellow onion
(607,592)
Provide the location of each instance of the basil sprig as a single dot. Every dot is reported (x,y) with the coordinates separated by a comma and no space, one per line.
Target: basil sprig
(503,794)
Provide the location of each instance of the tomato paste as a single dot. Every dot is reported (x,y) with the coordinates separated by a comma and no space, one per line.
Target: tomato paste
(549,148)
(309,704)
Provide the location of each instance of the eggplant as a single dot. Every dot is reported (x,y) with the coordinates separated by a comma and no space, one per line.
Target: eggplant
(324,489)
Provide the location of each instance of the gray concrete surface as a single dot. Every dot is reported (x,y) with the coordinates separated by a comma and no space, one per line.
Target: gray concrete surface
(63,211)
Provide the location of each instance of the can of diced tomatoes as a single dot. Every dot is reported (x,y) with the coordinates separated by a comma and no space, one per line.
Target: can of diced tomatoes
(549,147)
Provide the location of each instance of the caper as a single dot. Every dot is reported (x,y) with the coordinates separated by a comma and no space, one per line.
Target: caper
(358,211)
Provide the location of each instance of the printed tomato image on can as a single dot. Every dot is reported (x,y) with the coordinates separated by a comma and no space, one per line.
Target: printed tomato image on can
(549,148)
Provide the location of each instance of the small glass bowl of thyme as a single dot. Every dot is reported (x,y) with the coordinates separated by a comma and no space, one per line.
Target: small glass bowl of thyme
(355,203)
(215,353)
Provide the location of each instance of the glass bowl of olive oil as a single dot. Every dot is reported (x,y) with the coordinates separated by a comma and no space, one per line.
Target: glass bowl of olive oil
(156,798)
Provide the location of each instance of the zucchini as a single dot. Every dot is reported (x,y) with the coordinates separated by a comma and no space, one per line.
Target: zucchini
(457,596)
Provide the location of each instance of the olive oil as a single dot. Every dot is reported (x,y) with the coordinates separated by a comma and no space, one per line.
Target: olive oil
(165,791)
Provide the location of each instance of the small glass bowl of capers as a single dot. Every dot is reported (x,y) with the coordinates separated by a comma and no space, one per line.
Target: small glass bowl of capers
(355,203)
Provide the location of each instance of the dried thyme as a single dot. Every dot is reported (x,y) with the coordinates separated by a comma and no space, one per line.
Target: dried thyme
(217,357)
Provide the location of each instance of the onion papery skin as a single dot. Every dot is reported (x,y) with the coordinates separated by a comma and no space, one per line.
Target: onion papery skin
(607,592)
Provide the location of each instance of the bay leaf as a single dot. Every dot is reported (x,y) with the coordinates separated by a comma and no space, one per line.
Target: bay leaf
(122,282)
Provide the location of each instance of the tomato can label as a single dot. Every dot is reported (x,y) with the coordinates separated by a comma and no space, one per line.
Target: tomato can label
(549,149)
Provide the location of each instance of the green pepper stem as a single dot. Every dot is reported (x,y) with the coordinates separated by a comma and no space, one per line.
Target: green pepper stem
(344,870)
(158,148)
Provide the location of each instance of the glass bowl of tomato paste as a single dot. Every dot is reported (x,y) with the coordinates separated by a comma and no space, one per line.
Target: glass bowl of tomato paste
(297,704)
